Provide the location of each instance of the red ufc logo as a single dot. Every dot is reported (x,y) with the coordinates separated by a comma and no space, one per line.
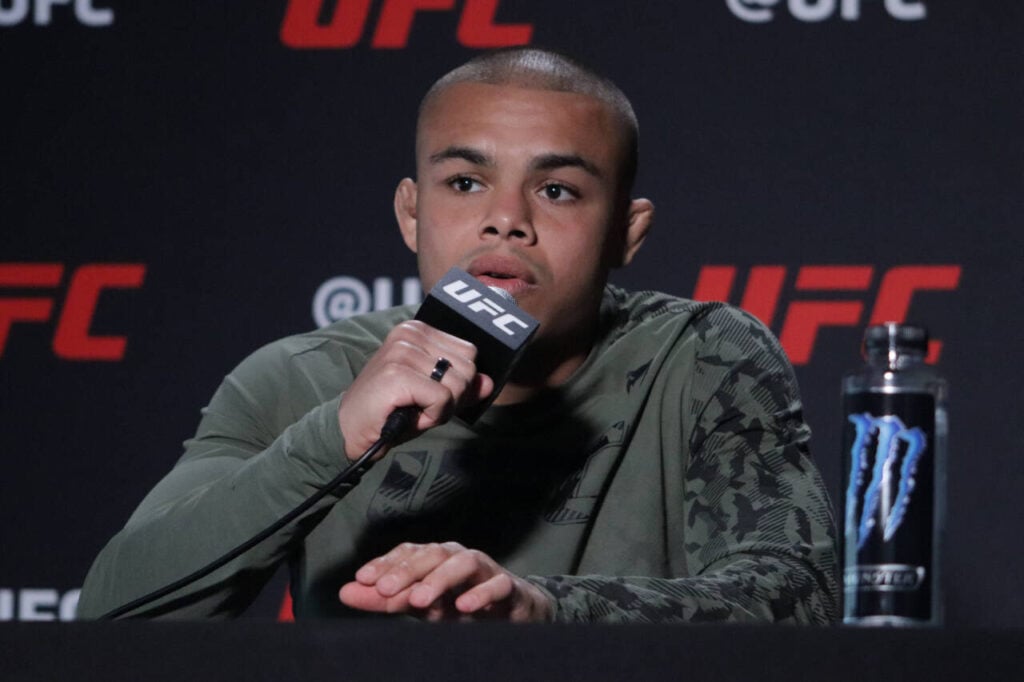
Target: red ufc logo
(803,318)
(72,340)
(307,24)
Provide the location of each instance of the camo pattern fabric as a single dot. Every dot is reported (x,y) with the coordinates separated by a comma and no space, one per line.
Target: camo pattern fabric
(759,531)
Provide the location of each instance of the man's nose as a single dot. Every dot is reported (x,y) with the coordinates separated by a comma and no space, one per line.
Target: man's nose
(509,216)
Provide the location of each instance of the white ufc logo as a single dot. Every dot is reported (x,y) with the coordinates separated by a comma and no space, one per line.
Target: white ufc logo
(42,12)
(463,293)
(760,11)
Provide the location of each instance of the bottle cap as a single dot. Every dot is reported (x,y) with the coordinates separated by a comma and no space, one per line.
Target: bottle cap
(891,336)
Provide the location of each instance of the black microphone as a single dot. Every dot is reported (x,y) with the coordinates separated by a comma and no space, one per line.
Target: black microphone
(487,317)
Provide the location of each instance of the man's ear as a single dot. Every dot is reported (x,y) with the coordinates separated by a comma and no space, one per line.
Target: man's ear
(405,211)
(639,218)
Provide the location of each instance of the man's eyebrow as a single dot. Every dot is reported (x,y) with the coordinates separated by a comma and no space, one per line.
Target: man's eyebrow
(474,156)
(553,161)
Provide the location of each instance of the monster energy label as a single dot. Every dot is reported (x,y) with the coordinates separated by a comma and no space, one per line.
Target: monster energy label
(889,485)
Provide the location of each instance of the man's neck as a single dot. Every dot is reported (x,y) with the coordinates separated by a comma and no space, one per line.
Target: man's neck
(546,364)
(522,391)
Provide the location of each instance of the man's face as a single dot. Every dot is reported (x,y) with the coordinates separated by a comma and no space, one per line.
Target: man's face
(518,187)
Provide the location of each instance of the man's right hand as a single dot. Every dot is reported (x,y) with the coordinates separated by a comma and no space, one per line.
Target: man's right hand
(398,375)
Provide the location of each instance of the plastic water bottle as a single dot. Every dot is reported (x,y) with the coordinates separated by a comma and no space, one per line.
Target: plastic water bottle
(894,457)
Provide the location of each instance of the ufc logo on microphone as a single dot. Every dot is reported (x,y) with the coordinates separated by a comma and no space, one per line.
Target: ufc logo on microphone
(464,293)
(72,339)
(802,319)
(342,23)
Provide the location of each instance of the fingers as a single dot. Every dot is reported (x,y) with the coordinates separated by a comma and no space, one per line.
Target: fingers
(365,598)
(388,583)
(411,353)
(399,375)
(422,347)
(451,576)
(428,569)
(441,581)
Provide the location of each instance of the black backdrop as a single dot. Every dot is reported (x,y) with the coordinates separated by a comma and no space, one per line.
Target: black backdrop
(185,178)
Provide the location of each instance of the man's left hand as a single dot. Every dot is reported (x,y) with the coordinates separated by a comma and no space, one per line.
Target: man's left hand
(445,582)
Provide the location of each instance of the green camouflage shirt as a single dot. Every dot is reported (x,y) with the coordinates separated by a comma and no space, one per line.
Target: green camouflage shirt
(668,480)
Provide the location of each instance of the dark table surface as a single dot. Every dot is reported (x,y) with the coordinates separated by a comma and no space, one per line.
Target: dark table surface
(396,650)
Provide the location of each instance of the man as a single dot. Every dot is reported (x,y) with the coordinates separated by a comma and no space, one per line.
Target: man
(646,461)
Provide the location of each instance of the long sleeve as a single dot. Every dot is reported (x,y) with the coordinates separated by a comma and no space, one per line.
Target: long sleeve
(758,538)
(268,440)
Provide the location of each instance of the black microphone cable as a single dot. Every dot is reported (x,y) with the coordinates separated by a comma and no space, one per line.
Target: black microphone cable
(397,423)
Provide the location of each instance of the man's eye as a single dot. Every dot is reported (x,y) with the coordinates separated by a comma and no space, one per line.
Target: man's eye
(556,192)
(464,184)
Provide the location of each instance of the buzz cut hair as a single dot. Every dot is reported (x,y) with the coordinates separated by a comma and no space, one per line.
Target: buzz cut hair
(545,69)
